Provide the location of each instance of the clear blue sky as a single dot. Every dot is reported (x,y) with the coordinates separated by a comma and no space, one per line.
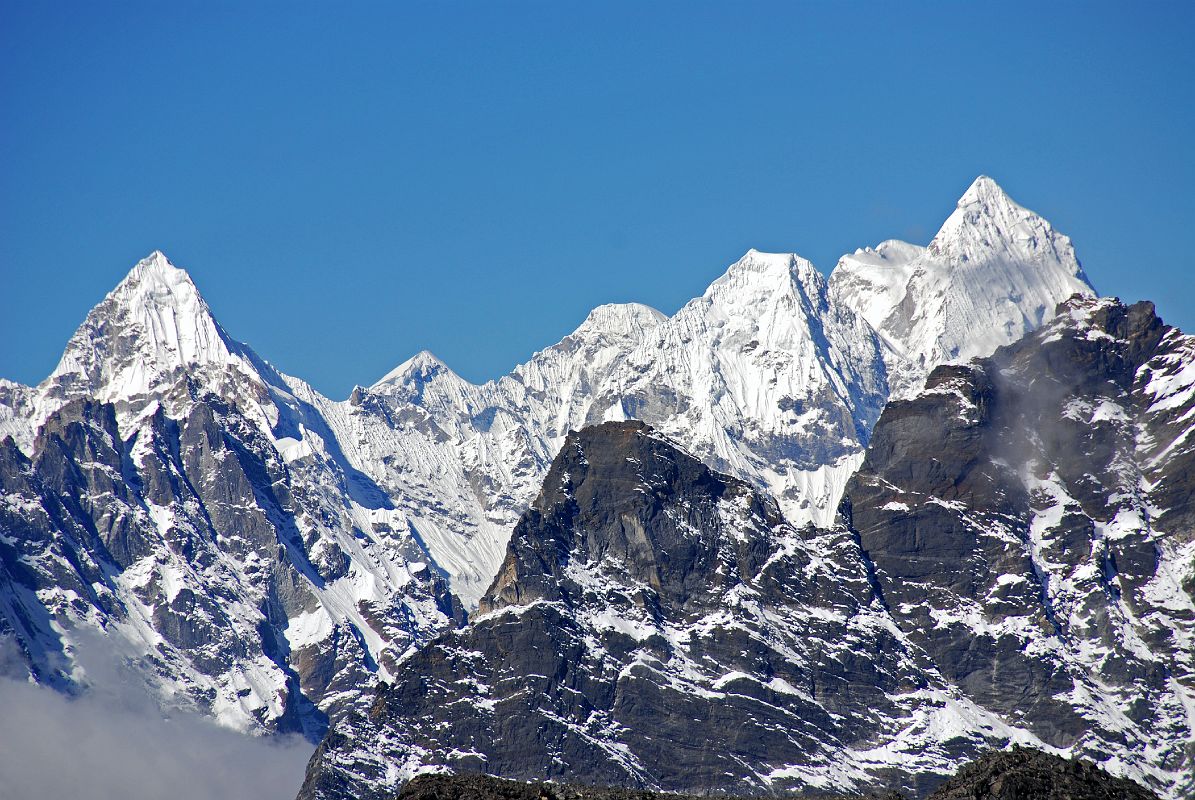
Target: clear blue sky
(348,187)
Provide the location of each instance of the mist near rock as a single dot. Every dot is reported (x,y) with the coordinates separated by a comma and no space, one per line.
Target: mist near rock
(116,743)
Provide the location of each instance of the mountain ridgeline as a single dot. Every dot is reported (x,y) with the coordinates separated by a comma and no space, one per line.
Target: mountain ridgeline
(1014,564)
(1017,774)
(624,561)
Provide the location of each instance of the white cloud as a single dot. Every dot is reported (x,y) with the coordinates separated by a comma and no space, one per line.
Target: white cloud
(109,745)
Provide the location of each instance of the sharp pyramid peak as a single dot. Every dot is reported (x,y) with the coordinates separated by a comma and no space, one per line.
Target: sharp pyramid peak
(988,223)
(421,368)
(984,189)
(159,280)
(152,323)
(166,302)
(425,358)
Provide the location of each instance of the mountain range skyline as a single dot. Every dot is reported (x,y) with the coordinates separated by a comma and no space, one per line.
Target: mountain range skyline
(284,563)
(384,173)
(426,355)
(408,401)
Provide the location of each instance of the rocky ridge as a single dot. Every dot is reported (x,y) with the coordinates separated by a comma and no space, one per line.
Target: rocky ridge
(1016,774)
(1014,564)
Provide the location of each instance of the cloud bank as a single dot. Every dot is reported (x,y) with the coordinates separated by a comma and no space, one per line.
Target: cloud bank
(101,746)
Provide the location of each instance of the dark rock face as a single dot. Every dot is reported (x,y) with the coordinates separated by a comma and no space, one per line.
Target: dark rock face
(1027,774)
(485,787)
(1016,774)
(186,532)
(1028,519)
(655,624)
(1014,565)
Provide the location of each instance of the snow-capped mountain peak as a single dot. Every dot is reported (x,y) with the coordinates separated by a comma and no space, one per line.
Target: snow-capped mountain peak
(151,328)
(420,368)
(619,319)
(987,224)
(175,318)
(984,189)
(994,271)
(767,271)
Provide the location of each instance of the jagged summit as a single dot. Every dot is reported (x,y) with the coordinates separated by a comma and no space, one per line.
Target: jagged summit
(422,367)
(778,265)
(988,226)
(152,326)
(156,282)
(768,278)
(155,262)
(994,271)
(984,189)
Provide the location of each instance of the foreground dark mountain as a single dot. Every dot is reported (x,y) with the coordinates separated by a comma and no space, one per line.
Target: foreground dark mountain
(1017,774)
(1027,774)
(1015,566)
(1030,519)
(655,624)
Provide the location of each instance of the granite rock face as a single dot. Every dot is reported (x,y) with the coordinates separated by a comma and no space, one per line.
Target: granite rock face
(655,624)
(1016,774)
(1013,565)
(1028,518)
(185,547)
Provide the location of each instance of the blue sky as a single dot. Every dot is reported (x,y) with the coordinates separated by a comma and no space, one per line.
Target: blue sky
(350,186)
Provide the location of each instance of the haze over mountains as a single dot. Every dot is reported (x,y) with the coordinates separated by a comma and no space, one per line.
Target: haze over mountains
(269,556)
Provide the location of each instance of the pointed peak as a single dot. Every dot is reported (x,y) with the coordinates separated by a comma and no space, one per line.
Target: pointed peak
(419,368)
(989,225)
(425,359)
(758,261)
(151,326)
(156,271)
(984,190)
(157,259)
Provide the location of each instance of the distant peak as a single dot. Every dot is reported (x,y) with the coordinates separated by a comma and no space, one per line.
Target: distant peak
(759,261)
(158,280)
(620,318)
(988,224)
(419,368)
(153,323)
(767,272)
(984,190)
(157,258)
(425,359)
(157,262)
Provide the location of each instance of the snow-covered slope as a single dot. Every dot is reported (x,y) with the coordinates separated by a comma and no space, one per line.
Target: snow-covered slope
(771,375)
(357,511)
(994,272)
(761,376)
